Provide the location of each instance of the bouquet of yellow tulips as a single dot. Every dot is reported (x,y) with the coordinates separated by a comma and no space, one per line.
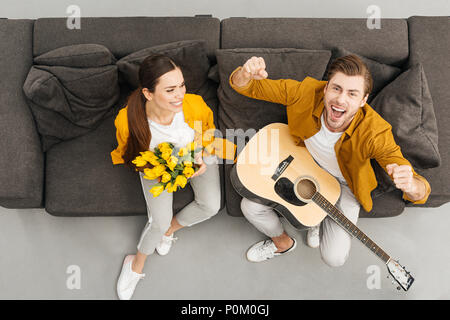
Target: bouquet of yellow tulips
(173,166)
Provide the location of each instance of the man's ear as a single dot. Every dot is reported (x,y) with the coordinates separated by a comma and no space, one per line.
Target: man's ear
(364,100)
(325,88)
(147,94)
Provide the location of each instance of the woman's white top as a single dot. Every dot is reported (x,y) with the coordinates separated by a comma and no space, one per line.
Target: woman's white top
(178,132)
(321,147)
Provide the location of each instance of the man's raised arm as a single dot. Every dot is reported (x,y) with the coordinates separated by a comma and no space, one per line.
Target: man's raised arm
(242,80)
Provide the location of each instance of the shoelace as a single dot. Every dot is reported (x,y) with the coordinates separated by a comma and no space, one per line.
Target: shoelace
(314,231)
(134,281)
(265,249)
(170,239)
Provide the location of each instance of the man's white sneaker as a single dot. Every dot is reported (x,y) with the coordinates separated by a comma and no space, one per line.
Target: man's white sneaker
(128,279)
(312,237)
(165,244)
(265,250)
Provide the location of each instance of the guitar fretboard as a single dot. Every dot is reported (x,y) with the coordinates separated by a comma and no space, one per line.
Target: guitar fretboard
(349,226)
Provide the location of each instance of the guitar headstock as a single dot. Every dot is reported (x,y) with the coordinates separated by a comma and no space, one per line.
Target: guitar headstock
(400,274)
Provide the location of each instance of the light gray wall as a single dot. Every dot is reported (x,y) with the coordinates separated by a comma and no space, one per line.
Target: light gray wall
(225,8)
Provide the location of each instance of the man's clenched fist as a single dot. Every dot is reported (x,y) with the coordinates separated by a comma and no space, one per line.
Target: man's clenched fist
(404,180)
(253,68)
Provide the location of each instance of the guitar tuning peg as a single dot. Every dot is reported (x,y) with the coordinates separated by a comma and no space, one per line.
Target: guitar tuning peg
(398,288)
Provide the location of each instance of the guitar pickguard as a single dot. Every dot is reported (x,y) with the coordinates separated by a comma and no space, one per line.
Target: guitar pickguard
(285,189)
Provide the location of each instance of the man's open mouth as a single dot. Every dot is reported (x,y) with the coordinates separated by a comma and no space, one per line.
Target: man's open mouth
(337,112)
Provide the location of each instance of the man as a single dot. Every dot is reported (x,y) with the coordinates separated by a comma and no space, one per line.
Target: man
(342,133)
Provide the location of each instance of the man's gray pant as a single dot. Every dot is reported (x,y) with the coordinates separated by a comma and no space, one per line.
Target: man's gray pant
(335,242)
(206,204)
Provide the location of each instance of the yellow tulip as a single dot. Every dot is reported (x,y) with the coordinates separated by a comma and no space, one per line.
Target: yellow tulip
(165,177)
(180,181)
(187,163)
(148,155)
(191,146)
(149,174)
(139,161)
(172,162)
(156,191)
(171,187)
(164,147)
(166,154)
(154,162)
(188,172)
(183,152)
(159,170)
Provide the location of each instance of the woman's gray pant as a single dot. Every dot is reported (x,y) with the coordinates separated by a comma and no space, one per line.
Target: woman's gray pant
(335,242)
(206,204)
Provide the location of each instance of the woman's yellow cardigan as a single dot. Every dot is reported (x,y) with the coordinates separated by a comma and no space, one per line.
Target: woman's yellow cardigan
(197,115)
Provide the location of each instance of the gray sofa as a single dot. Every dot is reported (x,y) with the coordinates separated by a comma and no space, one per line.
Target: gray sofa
(77,178)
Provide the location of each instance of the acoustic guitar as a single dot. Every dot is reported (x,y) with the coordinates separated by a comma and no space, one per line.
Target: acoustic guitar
(272,170)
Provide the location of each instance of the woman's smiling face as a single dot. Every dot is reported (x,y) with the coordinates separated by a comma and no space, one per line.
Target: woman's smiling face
(169,92)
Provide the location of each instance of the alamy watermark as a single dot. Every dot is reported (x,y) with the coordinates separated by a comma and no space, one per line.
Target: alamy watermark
(74,280)
(74,18)
(374,18)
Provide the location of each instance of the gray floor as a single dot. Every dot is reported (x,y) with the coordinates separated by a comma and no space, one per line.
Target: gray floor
(208,261)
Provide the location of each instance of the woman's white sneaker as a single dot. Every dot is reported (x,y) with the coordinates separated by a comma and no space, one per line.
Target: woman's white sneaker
(313,237)
(265,250)
(163,247)
(128,279)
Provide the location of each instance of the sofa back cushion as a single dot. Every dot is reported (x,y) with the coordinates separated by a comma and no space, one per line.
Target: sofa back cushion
(430,45)
(72,91)
(388,45)
(240,112)
(125,35)
(190,55)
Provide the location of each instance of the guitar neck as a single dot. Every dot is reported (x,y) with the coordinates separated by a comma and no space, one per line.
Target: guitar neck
(349,226)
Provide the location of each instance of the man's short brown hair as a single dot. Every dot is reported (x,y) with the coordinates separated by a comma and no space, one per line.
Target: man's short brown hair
(352,65)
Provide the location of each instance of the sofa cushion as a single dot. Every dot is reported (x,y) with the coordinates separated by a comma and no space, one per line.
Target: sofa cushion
(82,181)
(125,35)
(77,56)
(189,54)
(238,111)
(21,158)
(429,45)
(67,100)
(388,44)
(382,74)
(407,105)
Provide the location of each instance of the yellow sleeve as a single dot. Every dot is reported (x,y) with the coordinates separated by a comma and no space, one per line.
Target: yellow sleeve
(282,91)
(121,123)
(385,151)
(222,148)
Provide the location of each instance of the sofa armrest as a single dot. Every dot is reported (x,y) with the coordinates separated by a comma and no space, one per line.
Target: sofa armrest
(21,158)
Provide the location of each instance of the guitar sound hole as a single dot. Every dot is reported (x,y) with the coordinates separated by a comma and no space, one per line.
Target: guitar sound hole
(306,189)
(285,189)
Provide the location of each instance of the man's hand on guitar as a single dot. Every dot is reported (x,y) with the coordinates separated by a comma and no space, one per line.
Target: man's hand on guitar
(404,180)
(253,68)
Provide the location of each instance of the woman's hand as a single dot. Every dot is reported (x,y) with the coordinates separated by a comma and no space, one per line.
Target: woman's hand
(202,169)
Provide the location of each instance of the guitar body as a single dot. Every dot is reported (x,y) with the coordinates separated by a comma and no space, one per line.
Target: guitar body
(268,171)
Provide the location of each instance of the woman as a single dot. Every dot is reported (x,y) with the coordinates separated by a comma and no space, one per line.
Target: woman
(161,111)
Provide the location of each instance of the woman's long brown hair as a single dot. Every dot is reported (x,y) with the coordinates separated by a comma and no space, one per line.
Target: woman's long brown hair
(151,69)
